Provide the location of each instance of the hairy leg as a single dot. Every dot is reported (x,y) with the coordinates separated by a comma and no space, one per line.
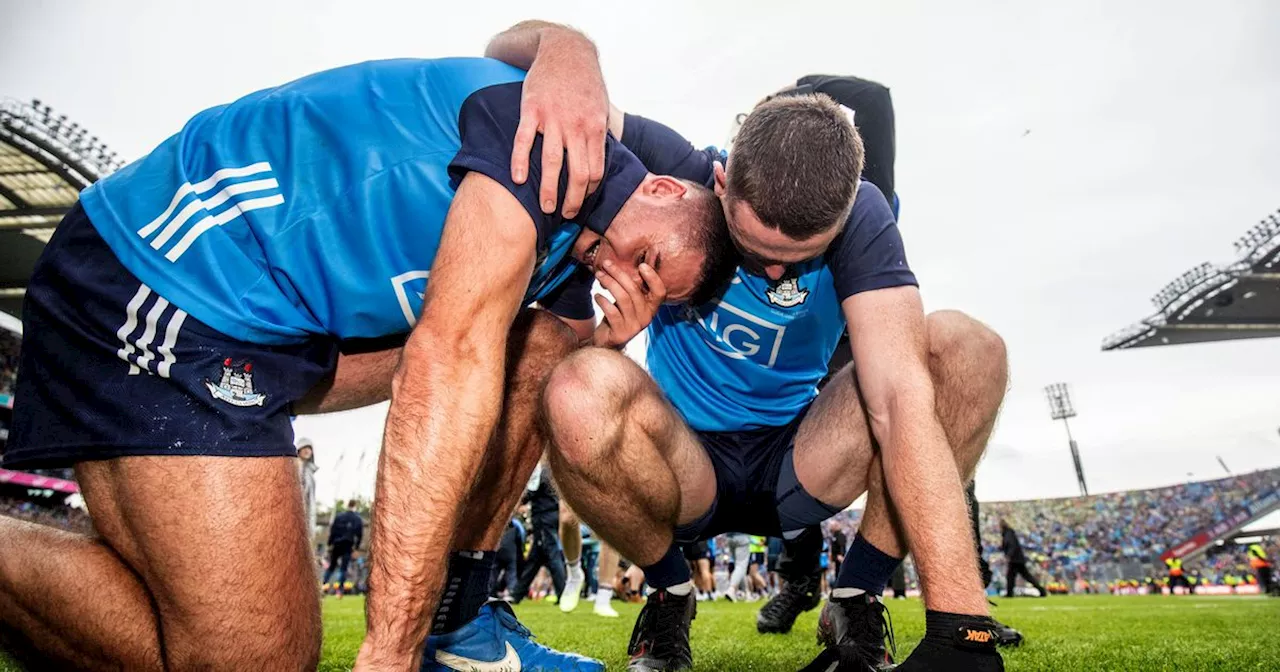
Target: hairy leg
(836,457)
(539,341)
(265,612)
(622,456)
(140,596)
(45,576)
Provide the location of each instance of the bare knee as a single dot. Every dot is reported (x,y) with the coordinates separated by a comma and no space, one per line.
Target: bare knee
(958,341)
(585,399)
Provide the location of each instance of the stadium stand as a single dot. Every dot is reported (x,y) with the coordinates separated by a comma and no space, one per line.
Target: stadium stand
(1123,534)
(64,517)
(9,345)
(1217,302)
(45,160)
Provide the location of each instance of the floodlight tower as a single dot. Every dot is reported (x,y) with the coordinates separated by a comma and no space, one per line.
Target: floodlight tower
(1060,408)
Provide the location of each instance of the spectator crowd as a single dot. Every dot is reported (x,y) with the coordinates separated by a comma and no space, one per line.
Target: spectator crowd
(1086,537)
(9,344)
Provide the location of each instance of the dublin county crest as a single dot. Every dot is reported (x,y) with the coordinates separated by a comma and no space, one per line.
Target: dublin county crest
(786,293)
(236,385)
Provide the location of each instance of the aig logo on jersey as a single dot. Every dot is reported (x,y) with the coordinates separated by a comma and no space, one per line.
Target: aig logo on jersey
(735,333)
(786,293)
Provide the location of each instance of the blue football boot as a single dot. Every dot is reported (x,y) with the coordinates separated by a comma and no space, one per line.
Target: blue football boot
(494,641)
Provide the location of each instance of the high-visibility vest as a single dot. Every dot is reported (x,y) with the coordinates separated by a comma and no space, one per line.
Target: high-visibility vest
(1175,566)
(1258,557)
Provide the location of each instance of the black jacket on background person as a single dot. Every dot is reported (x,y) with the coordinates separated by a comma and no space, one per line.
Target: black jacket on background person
(544,521)
(347,528)
(1011,546)
(544,505)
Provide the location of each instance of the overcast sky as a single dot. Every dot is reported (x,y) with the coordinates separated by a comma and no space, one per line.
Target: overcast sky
(1057,165)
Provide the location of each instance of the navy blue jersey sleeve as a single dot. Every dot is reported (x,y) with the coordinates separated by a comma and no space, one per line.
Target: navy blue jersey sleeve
(869,254)
(487,123)
(666,152)
(572,299)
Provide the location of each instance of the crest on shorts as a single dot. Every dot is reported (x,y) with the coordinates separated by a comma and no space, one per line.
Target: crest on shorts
(236,385)
(786,292)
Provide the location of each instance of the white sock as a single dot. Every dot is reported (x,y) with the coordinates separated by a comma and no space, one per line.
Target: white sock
(603,595)
(847,592)
(681,589)
(576,565)
(575,571)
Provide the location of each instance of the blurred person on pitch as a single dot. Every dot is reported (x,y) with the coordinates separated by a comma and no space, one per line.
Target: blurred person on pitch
(249,268)
(1016,559)
(307,472)
(345,534)
(1178,576)
(1262,567)
(758,560)
(701,557)
(1007,635)
(773,546)
(591,566)
(839,544)
(821,254)
(739,547)
(544,523)
(507,561)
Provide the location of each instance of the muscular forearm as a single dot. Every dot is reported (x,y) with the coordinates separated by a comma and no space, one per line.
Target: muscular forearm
(444,407)
(925,487)
(520,44)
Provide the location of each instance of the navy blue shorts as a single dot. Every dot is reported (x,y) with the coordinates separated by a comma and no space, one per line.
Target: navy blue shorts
(747,465)
(109,368)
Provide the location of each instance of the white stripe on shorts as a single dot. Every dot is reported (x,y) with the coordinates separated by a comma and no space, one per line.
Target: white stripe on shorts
(131,323)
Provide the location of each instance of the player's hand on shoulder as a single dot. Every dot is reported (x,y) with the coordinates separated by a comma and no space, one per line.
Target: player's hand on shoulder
(632,308)
(565,100)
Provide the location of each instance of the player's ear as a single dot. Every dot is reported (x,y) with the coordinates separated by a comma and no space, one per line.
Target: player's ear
(721,180)
(665,186)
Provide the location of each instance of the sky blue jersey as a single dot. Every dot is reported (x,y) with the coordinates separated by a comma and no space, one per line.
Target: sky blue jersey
(755,357)
(316,207)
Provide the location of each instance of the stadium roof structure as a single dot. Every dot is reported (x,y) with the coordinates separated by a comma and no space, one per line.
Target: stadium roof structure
(1217,303)
(45,161)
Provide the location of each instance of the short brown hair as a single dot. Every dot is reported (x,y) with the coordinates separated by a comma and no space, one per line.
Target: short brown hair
(796,161)
(710,232)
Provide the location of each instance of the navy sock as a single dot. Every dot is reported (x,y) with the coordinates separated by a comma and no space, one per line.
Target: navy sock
(866,567)
(466,589)
(672,569)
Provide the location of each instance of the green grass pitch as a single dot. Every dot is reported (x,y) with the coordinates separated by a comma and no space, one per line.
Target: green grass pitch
(1093,633)
(1086,632)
